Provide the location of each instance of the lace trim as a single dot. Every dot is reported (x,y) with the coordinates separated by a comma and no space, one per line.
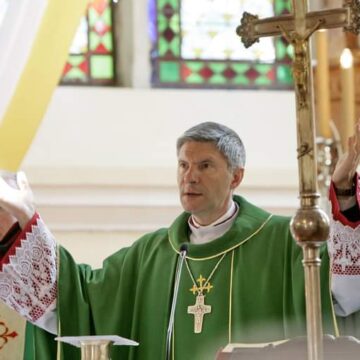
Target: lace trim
(344,249)
(28,281)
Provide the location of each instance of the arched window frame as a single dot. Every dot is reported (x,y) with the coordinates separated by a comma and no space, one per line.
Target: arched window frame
(169,69)
(94,65)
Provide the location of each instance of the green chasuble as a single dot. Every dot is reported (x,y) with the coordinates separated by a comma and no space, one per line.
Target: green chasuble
(256,292)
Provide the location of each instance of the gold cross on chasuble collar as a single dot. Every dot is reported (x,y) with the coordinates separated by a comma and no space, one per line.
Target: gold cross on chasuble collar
(199,310)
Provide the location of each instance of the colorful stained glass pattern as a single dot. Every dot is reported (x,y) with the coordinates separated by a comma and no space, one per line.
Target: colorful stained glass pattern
(91,55)
(195,45)
(80,42)
(3,8)
(207,30)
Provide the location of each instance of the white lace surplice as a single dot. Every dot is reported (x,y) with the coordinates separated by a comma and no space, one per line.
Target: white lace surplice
(344,250)
(28,282)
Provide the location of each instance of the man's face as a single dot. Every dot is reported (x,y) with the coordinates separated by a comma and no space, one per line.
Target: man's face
(205,181)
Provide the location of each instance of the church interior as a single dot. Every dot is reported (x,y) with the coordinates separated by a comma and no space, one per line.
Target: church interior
(91,112)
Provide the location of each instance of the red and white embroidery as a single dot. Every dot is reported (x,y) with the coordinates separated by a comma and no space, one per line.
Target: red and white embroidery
(28,280)
(344,249)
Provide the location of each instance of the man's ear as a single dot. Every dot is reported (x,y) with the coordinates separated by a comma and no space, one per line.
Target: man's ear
(238,175)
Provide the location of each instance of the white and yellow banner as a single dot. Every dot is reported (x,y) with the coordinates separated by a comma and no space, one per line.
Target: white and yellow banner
(25,111)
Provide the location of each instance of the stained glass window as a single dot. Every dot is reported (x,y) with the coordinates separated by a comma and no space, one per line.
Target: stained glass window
(195,45)
(91,55)
(3,8)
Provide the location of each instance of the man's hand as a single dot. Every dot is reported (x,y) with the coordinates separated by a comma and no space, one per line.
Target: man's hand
(19,202)
(346,167)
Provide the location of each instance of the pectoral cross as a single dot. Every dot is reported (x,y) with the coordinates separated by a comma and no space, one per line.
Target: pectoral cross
(310,225)
(199,310)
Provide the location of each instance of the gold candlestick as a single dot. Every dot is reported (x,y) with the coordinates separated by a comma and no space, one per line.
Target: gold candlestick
(323,84)
(95,349)
(347,96)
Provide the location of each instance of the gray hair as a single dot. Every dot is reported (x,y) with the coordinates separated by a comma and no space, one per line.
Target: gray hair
(226,140)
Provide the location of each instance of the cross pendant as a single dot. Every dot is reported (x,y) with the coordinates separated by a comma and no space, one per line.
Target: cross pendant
(199,310)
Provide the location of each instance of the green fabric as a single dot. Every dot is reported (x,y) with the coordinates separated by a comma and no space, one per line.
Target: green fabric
(29,340)
(131,295)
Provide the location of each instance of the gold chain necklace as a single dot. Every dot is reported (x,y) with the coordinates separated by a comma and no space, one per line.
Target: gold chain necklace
(199,309)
